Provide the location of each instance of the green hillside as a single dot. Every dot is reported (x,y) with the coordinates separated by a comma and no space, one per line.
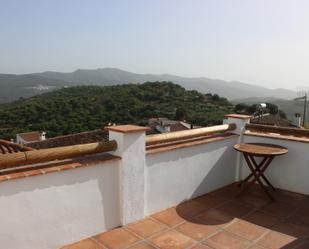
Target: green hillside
(81,108)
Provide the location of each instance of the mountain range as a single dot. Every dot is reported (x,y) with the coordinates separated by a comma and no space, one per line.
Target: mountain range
(15,86)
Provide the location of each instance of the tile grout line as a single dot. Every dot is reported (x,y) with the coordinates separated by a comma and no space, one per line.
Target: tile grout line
(142,239)
(99,243)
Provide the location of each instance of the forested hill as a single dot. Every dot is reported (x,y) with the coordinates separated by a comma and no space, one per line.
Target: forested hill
(81,108)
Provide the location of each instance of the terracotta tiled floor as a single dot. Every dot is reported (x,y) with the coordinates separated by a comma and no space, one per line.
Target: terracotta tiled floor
(217,220)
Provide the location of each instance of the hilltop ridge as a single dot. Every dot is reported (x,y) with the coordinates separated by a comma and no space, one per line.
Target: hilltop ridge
(26,85)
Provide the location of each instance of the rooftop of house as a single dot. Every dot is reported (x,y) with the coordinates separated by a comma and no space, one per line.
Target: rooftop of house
(30,136)
(162,125)
(276,132)
(99,135)
(162,121)
(71,139)
(9,147)
(269,119)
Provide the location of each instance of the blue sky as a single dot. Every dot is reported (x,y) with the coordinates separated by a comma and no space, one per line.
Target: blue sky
(264,42)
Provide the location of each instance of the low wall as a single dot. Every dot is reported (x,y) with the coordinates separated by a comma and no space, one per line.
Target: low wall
(55,209)
(48,211)
(290,171)
(174,176)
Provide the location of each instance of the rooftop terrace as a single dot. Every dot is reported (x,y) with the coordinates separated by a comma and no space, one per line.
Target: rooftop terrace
(173,190)
(216,220)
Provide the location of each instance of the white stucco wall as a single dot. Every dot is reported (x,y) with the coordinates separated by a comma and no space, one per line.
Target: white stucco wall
(52,210)
(174,176)
(131,148)
(289,172)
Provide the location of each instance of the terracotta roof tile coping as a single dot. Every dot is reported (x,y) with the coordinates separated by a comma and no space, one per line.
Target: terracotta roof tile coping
(277,136)
(127,128)
(188,143)
(238,116)
(55,166)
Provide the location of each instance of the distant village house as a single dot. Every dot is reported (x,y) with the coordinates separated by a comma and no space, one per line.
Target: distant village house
(30,137)
(164,125)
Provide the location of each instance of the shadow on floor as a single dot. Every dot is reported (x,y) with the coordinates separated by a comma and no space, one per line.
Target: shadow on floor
(283,223)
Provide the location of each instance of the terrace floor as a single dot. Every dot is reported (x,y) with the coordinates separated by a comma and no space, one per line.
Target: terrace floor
(217,220)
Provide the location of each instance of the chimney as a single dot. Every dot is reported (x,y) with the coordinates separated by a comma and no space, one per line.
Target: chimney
(42,136)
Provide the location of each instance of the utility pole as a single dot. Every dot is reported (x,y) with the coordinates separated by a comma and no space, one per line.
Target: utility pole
(305,98)
(305,110)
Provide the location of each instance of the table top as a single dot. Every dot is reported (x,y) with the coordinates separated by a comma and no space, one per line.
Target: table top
(261,149)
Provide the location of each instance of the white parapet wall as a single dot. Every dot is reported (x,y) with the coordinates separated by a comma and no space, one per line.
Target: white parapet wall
(290,171)
(172,177)
(52,210)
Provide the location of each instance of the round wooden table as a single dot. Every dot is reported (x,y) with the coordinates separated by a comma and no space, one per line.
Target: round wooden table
(267,152)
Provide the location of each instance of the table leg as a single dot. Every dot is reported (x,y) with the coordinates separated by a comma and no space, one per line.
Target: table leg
(262,167)
(251,174)
(257,171)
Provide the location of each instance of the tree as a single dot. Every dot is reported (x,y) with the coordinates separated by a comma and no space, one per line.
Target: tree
(272,108)
(252,109)
(181,113)
(215,97)
(241,108)
(80,108)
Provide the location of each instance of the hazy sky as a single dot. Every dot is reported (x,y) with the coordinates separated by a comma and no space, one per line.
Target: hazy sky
(264,42)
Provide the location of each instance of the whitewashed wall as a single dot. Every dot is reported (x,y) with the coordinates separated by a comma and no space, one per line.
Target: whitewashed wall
(52,210)
(178,175)
(289,172)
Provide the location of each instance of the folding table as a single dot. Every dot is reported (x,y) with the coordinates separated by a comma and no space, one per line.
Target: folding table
(267,152)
